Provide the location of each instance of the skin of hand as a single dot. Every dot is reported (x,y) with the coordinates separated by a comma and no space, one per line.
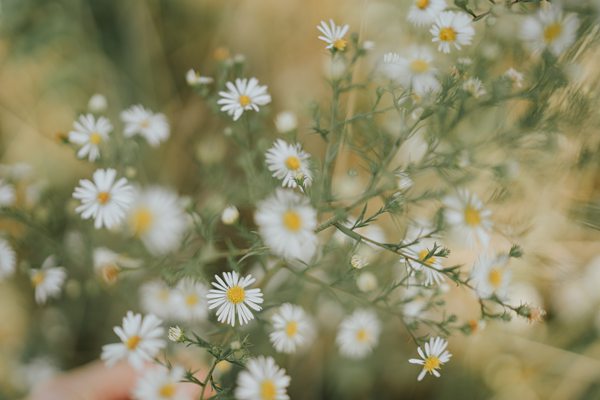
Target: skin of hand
(95,381)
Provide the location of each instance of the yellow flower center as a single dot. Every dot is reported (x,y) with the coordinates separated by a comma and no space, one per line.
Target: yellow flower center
(38,278)
(236,294)
(419,66)
(431,363)
(110,273)
(474,325)
(422,4)
(132,342)
(362,335)
(141,221)
(291,328)
(103,197)
(191,300)
(423,253)
(447,34)
(268,391)
(244,100)
(340,44)
(292,162)
(495,277)
(472,216)
(167,390)
(292,221)
(95,138)
(552,31)
(145,124)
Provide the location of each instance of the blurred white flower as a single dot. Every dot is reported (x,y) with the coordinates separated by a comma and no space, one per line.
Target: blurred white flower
(231,297)
(550,29)
(434,356)
(474,87)
(108,264)
(262,380)
(491,276)
(289,162)
(286,222)
(358,334)
(452,29)
(157,218)
(333,35)
(97,103)
(230,215)
(7,194)
(47,280)
(366,282)
(190,300)
(292,328)
(157,298)
(468,217)
(415,71)
(88,133)
(194,78)
(244,95)
(515,77)
(160,383)
(141,121)
(404,181)
(8,259)
(141,339)
(104,199)
(424,12)
(286,121)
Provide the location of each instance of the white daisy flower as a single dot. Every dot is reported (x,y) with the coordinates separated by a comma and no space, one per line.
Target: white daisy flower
(230,215)
(97,103)
(288,163)
(468,217)
(244,95)
(176,334)
(286,222)
(158,219)
(48,280)
(434,356)
(8,259)
(141,340)
(550,29)
(333,35)
(420,250)
(190,300)
(515,77)
(104,199)
(7,194)
(491,276)
(141,121)
(194,78)
(474,87)
(292,329)
(415,72)
(452,29)
(108,264)
(286,121)
(159,383)
(88,133)
(231,297)
(358,334)
(157,298)
(262,380)
(424,12)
